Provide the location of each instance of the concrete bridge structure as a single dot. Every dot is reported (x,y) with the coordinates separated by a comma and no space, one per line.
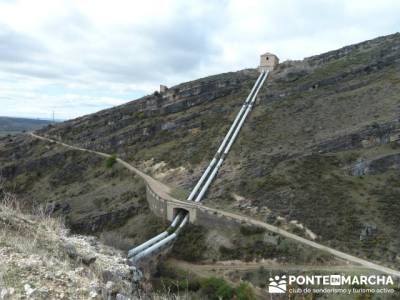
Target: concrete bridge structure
(169,208)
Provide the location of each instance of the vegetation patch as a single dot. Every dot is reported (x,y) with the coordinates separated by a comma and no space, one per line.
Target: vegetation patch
(169,279)
(214,288)
(191,245)
(110,161)
(251,230)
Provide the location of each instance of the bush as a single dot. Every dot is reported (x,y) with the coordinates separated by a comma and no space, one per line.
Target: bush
(168,278)
(111,161)
(191,244)
(250,230)
(230,253)
(244,292)
(216,288)
(225,291)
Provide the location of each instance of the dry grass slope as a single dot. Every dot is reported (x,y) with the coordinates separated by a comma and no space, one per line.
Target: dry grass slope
(40,260)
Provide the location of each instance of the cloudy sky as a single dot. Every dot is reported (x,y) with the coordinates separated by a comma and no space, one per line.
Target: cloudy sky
(76,57)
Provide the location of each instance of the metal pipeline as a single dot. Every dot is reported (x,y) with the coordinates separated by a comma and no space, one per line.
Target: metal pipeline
(209,180)
(200,182)
(221,147)
(147,244)
(153,240)
(164,238)
(263,76)
(249,107)
(161,243)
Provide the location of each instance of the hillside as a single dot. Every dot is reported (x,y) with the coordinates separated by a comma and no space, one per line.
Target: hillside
(10,125)
(321,148)
(39,259)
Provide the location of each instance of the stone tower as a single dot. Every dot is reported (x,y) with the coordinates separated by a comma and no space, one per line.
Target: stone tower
(163,88)
(268,62)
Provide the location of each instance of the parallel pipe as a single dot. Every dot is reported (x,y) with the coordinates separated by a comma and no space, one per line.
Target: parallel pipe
(161,243)
(259,87)
(227,136)
(209,180)
(147,244)
(163,238)
(249,107)
(153,240)
(263,76)
(200,182)
(239,115)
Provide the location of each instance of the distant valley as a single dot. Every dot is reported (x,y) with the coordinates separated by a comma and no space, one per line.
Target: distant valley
(11,126)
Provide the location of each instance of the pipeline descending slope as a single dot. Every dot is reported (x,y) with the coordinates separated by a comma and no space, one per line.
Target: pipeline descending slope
(204,182)
(149,180)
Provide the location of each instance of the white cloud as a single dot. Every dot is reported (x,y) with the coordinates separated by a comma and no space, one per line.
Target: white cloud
(76,57)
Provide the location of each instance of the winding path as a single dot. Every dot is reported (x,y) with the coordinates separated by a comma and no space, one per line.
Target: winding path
(163,192)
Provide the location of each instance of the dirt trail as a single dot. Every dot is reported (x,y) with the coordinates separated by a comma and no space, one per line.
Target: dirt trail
(229,266)
(158,187)
(233,271)
(163,192)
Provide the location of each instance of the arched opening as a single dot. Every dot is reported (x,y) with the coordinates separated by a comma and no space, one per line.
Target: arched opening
(178,210)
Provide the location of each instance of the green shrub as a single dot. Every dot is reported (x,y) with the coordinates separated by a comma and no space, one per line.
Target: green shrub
(230,253)
(225,291)
(216,288)
(169,278)
(244,292)
(140,115)
(111,161)
(250,230)
(191,244)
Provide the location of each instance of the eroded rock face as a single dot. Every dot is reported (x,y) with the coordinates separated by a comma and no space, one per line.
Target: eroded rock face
(384,163)
(373,135)
(359,168)
(376,166)
(100,221)
(125,125)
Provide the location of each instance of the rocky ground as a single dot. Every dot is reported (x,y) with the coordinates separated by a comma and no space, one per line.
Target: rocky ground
(39,259)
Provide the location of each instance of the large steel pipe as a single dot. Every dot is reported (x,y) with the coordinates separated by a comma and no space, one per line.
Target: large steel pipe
(164,238)
(237,128)
(153,240)
(161,243)
(227,136)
